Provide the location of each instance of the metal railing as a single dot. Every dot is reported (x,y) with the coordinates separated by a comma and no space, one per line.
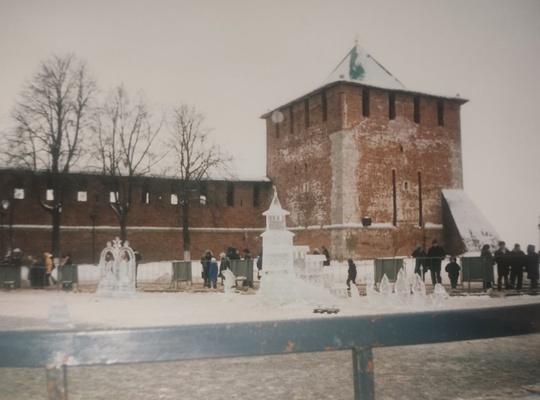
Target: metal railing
(56,350)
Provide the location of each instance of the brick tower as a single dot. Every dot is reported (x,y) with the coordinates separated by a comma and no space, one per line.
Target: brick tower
(361,161)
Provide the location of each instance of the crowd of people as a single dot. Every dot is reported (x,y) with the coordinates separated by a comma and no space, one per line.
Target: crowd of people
(511,265)
(211,271)
(40,267)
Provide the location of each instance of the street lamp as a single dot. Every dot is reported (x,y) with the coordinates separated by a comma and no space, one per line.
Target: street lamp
(3,209)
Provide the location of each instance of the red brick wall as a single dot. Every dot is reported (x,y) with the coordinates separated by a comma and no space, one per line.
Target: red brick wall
(153,229)
(342,191)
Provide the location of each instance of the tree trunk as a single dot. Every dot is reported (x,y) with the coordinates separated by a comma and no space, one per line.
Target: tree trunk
(123,228)
(185,229)
(56,214)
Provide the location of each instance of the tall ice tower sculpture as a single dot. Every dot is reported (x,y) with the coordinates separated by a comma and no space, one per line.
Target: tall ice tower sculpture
(277,242)
(279,285)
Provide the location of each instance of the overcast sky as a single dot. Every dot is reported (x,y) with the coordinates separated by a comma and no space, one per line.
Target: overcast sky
(236,59)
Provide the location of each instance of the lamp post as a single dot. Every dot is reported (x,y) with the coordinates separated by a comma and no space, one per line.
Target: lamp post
(3,209)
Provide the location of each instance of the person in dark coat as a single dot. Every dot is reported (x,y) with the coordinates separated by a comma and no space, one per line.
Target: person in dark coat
(533,271)
(488,263)
(66,259)
(224,264)
(205,262)
(453,269)
(138,258)
(259,265)
(327,255)
(435,255)
(351,274)
(419,256)
(233,254)
(502,259)
(518,263)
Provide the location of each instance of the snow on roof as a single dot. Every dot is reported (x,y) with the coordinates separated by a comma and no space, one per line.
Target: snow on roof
(474,229)
(237,176)
(275,207)
(359,66)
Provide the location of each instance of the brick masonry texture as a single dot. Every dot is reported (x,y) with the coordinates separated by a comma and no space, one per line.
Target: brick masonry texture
(355,160)
(154,228)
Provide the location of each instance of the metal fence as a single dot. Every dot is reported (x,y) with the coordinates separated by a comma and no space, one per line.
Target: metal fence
(56,350)
(161,276)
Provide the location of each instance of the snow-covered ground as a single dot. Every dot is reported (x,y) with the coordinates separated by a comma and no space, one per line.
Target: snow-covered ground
(446,371)
(38,309)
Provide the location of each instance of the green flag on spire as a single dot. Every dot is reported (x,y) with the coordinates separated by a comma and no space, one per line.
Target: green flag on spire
(356,70)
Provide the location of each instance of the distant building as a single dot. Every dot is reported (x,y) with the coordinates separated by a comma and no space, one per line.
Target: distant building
(361,163)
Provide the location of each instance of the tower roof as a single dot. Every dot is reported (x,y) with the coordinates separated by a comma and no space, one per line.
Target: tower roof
(359,66)
(275,207)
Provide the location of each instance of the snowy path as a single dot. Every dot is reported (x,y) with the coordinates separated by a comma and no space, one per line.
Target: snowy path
(31,309)
(479,370)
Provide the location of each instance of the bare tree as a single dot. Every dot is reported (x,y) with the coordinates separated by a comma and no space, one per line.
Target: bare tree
(194,157)
(124,139)
(51,121)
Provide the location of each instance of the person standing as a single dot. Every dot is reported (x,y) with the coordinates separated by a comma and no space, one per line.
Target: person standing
(49,266)
(224,264)
(488,264)
(453,268)
(138,258)
(66,260)
(435,255)
(419,256)
(259,265)
(502,258)
(517,265)
(533,271)
(205,262)
(213,273)
(327,255)
(351,274)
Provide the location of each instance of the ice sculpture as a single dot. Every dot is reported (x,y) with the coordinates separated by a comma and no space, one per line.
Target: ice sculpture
(229,281)
(372,295)
(279,284)
(439,296)
(117,267)
(385,289)
(419,292)
(355,294)
(401,288)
